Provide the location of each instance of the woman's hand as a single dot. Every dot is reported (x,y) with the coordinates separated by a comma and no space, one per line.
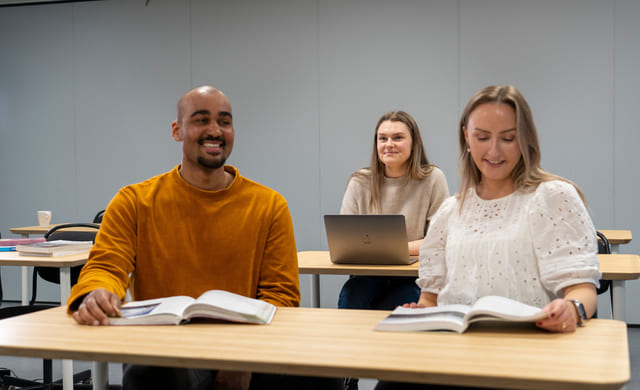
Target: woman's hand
(414,247)
(561,317)
(426,300)
(413,305)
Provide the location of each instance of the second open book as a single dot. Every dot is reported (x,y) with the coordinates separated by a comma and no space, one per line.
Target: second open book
(213,304)
(457,318)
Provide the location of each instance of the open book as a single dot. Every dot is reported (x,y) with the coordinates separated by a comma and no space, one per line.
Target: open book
(456,318)
(54,248)
(213,304)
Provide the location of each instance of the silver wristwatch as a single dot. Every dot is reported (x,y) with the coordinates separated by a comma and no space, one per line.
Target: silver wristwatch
(581,314)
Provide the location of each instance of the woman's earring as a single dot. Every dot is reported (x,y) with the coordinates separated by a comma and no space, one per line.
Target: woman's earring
(468,149)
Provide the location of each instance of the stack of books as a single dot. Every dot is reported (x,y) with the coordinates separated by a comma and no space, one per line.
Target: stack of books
(54,248)
(9,244)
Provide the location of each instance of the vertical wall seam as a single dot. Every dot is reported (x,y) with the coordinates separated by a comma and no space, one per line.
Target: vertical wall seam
(459,59)
(74,97)
(190,45)
(319,138)
(613,116)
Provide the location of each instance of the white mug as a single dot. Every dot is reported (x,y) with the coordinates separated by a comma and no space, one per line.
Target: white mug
(44,218)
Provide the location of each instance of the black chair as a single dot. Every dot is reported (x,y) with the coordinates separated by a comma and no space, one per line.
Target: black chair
(603,248)
(63,232)
(98,217)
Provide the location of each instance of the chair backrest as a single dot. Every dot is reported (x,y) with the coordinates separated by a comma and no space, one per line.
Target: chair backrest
(98,217)
(69,232)
(603,248)
(73,232)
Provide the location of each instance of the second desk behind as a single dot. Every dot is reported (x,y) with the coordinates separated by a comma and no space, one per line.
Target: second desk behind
(616,267)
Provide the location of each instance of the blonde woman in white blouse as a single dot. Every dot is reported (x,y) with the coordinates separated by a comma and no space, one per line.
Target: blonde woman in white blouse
(513,230)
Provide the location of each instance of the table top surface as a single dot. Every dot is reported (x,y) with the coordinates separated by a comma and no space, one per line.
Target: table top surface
(613,267)
(319,262)
(341,343)
(617,237)
(614,236)
(619,266)
(14,258)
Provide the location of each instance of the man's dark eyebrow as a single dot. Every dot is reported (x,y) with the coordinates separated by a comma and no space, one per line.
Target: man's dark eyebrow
(201,112)
(207,112)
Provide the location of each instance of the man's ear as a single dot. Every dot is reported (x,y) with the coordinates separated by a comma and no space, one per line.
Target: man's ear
(176,131)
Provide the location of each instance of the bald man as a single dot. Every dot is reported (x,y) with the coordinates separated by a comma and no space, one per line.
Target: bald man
(198,227)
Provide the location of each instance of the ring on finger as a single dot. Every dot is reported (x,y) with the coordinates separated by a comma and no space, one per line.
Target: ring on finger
(564,325)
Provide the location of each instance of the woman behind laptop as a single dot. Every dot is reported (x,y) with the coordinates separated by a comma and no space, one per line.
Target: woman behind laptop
(513,230)
(399,180)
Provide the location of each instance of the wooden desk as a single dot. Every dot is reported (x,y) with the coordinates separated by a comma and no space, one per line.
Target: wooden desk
(24,232)
(616,267)
(319,262)
(64,263)
(27,230)
(617,238)
(341,343)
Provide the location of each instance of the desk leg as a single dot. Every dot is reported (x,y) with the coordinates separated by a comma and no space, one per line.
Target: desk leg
(100,370)
(617,293)
(67,374)
(25,280)
(25,285)
(100,375)
(65,291)
(617,298)
(315,290)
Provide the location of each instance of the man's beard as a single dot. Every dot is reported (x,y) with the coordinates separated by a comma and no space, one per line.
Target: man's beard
(212,163)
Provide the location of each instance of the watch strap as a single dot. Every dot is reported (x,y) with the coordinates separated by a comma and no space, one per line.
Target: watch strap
(581,314)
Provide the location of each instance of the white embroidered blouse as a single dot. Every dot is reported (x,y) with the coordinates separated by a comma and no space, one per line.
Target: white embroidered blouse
(526,246)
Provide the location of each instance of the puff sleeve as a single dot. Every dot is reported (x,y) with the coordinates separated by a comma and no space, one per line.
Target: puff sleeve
(563,236)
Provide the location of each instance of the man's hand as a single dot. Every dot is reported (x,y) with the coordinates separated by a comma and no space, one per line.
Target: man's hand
(232,380)
(96,307)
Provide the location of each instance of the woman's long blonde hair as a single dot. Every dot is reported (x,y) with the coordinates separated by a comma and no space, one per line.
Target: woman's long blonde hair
(527,174)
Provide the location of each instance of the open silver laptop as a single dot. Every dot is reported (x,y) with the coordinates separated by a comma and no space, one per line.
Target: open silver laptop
(367,239)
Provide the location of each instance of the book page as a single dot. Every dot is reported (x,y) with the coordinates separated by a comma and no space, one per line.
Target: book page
(445,321)
(448,318)
(502,308)
(153,311)
(59,243)
(232,307)
(56,247)
(462,309)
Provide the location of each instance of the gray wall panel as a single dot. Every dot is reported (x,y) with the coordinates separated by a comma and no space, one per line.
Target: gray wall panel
(37,152)
(560,55)
(626,137)
(378,56)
